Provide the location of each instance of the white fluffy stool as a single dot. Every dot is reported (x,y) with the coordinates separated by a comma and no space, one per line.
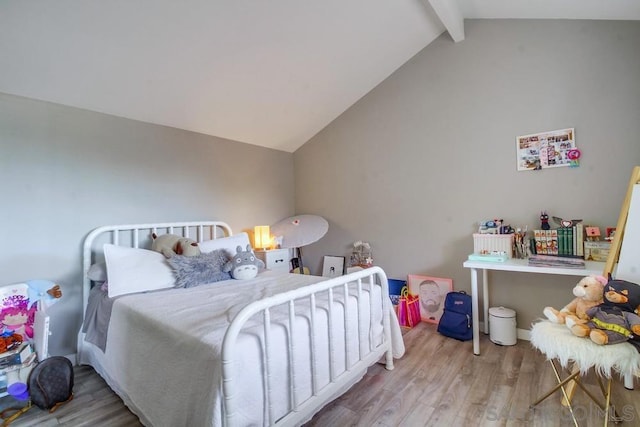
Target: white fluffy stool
(557,342)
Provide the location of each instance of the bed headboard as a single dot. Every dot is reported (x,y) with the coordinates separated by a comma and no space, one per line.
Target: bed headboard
(139,235)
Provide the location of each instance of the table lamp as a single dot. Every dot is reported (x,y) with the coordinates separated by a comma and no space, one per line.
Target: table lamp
(261,237)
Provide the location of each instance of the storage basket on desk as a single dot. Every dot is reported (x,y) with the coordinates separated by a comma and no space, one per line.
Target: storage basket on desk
(487,243)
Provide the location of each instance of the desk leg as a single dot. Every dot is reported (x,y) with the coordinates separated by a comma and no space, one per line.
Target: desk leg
(474,311)
(485,295)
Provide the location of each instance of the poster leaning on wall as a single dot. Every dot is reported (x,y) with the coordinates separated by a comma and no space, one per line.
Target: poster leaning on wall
(432,292)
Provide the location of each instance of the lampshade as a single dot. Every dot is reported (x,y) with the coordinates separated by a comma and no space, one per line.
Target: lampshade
(261,236)
(300,230)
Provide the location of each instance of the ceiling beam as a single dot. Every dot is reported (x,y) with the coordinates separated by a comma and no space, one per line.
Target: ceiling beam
(449,13)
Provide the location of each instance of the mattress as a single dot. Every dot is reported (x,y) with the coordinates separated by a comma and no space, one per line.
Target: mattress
(162,353)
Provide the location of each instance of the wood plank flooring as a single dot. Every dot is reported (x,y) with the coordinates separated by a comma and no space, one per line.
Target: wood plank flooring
(439,382)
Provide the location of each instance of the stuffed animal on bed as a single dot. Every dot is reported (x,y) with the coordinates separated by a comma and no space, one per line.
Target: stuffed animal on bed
(171,244)
(588,293)
(616,319)
(244,264)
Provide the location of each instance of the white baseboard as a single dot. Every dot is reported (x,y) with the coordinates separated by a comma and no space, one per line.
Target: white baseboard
(72,357)
(521,334)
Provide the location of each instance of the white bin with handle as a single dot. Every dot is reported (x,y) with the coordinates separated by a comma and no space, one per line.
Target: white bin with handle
(502,326)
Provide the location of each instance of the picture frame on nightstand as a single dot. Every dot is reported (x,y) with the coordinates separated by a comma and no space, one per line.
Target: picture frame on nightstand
(333,266)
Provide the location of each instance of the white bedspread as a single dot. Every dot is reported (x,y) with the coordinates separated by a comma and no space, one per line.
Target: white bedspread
(163,350)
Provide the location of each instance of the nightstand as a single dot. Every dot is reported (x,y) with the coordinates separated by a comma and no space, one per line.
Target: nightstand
(275,259)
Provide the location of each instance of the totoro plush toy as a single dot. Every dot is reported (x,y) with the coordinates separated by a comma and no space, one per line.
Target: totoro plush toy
(244,264)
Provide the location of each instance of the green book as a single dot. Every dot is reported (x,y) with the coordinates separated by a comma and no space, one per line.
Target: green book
(561,241)
(570,244)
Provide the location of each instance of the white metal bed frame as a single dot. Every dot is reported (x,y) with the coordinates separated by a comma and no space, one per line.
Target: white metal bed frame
(338,382)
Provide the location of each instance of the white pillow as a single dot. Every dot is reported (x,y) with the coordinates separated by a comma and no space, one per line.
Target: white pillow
(133,270)
(229,244)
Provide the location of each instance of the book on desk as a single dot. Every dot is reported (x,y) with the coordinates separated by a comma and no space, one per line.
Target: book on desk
(497,257)
(556,261)
(563,241)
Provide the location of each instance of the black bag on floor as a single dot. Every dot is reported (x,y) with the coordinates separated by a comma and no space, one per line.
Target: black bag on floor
(456,318)
(51,383)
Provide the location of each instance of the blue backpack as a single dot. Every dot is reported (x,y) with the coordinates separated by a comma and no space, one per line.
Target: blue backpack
(456,318)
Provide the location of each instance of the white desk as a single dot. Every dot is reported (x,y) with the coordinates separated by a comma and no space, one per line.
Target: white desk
(519,265)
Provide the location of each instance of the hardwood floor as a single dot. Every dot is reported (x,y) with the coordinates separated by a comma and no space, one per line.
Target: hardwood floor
(93,404)
(439,382)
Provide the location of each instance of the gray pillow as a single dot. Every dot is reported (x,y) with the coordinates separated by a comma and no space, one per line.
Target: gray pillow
(98,272)
(197,270)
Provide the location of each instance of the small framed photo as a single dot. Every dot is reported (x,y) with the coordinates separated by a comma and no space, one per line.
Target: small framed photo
(432,292)
(333,266)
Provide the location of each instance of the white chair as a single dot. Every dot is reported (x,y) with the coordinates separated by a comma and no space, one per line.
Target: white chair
(557,342)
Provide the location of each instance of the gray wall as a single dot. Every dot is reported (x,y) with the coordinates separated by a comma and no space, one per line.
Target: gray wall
(416,163)
(66,171)
(411,167)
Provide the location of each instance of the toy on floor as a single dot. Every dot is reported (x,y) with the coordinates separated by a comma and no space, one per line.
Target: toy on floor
(171,244)
(9,341)
(616,319)
(588,294)
(44,292)
(19,303)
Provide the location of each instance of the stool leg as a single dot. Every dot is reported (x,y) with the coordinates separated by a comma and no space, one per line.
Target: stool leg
(608,403)
(571,388)
(607,395)
(561,384)
(588,393)
(564,392)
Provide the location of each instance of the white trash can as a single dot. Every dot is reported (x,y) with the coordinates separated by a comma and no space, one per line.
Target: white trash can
(502,326)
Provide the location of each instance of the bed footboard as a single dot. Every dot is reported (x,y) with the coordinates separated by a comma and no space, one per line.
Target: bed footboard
(353,286)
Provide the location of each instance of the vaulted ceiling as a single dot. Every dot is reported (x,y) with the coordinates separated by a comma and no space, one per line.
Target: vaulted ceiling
(270,73)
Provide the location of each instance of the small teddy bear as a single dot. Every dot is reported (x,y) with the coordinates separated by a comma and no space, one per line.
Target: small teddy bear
(10,341)
(244,264)
(588,293)
(171,244)
(616,319)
